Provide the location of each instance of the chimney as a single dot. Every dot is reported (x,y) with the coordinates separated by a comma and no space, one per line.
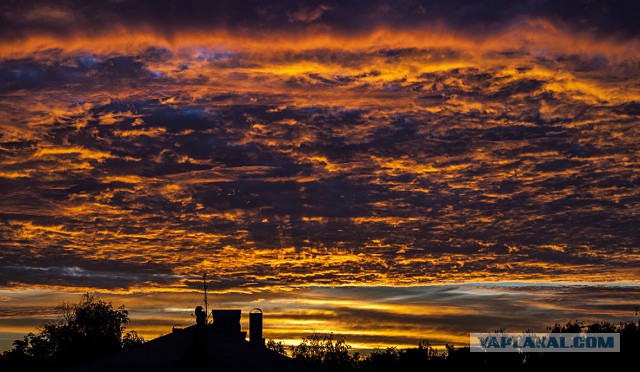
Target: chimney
(228,322)
(255,327)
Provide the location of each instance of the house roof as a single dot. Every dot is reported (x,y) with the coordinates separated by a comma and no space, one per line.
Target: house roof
(196,348)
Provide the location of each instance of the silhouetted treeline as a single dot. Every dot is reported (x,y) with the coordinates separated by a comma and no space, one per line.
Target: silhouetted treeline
(87,330)
(324,352)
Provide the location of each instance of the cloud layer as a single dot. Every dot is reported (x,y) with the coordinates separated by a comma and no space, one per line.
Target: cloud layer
(285,145)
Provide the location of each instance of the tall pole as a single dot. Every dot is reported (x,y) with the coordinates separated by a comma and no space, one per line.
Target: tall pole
(206,304)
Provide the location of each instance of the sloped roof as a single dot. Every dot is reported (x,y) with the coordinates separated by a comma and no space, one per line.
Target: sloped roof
(196,348)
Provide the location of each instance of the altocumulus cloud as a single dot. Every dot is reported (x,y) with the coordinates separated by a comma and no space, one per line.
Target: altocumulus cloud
(290,145)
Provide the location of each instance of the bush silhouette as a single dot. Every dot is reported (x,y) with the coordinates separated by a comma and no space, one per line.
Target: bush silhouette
(318,350)
(277,346)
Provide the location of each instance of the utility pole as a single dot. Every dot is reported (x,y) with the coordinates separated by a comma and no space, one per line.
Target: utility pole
(206,304)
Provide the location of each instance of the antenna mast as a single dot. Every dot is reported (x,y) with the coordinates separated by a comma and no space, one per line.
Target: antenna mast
(206,304)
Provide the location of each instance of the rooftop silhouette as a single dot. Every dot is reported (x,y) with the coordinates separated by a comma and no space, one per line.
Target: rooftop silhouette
(220,345)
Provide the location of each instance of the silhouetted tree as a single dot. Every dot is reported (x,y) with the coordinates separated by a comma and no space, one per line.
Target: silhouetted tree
(410,359)
(382,359)
(86,330)
(629,338)
(277,346)
(417,358)
(131,339)
(323,351)
(570,327)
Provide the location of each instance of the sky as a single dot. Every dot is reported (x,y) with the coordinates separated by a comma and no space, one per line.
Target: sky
(386,170)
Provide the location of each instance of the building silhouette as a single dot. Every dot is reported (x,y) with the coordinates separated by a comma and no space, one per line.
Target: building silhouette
(219,346)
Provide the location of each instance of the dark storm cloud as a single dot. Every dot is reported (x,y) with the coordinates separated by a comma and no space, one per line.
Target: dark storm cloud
(168,17)
(76,276)
(62,268)
(41,72)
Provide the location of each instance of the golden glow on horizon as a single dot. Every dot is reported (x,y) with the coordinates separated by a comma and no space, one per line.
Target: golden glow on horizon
(401,320)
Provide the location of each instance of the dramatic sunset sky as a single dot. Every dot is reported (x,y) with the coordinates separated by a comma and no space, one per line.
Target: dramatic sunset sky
(386,170)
